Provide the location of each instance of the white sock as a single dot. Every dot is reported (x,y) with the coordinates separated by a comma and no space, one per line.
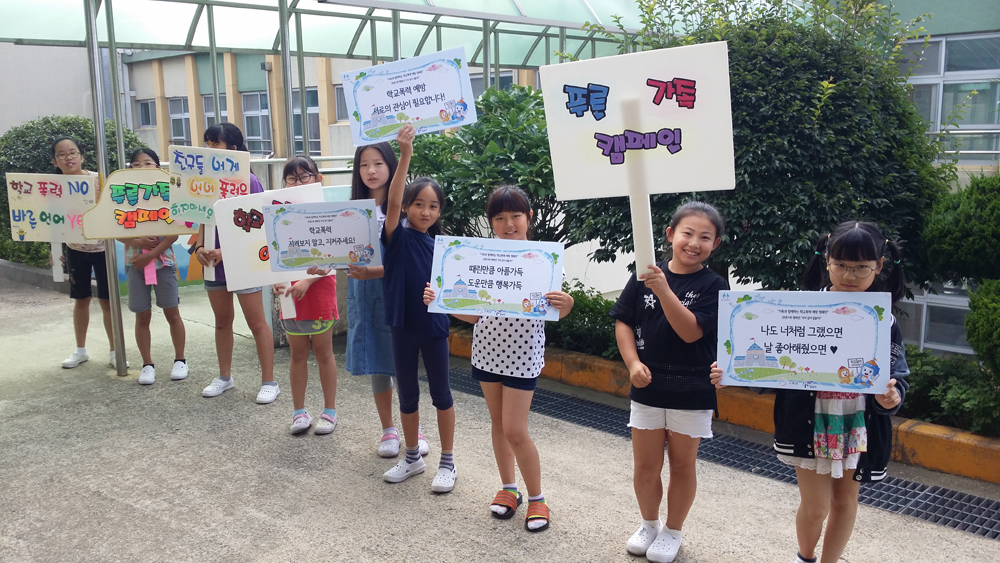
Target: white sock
(501,510)
(654,524)
(390,430)
(81,351)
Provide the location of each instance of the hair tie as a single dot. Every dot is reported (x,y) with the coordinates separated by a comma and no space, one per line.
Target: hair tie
(818,253)
(886,242)
(895,261)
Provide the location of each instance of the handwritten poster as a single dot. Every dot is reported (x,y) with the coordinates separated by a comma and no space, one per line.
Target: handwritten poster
(49,207)
(431,92)
(245,249)
(825,340)
(680,138)
(135,203)
(199,177)
(327,235)
(495,277)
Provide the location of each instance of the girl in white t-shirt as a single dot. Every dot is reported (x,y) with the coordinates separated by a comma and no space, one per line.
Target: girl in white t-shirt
(507,357)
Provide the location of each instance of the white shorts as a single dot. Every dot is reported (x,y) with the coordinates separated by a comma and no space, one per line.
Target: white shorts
(696,424)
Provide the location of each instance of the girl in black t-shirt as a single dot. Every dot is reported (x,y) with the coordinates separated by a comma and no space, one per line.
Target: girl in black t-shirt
(666,331)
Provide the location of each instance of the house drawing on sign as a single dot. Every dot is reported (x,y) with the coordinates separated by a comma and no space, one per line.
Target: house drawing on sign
(291,253)
(755,357)
(378,120)
(460,290)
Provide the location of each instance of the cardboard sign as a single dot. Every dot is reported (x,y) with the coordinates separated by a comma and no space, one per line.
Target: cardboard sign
(495,277)
(431,92)
(638,124)
(50,207)
(327,235)
(825,340)
(199,177)
(136,203)
(245,251)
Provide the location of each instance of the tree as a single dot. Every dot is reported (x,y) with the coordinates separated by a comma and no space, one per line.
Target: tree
(28,148)
(484,295)
(786,362)
(807,155)
(507,145)
(962,236)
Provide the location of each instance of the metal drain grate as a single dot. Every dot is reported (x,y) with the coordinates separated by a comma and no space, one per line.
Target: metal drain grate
(970,513)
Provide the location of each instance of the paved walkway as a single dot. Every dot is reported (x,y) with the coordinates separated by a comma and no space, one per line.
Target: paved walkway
(94,467)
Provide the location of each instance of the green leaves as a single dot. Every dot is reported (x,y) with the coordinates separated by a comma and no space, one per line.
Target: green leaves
(962,234)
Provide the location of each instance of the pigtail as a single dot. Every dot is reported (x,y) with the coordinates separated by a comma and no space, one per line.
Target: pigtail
(814,277)
(895,282)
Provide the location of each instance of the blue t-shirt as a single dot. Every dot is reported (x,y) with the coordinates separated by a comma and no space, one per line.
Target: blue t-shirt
(408,258)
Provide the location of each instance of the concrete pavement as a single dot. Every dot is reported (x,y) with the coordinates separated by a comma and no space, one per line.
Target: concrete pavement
(95,467)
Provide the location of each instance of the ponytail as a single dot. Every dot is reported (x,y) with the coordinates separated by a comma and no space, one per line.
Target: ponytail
(814,277)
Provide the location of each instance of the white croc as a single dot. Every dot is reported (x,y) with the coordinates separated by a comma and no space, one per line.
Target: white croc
(267,394)
(179,371)
(301,423)
(403,471)
(422,444)
(389,445)
(217,387)
(325,425)
(444,481)
(665,546)
(642,539)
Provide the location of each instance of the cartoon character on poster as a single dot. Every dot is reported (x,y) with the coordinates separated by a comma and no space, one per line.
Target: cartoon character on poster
(804,340)
(495,277)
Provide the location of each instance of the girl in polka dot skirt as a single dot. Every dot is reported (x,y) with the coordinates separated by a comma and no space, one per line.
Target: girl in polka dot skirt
(507,356)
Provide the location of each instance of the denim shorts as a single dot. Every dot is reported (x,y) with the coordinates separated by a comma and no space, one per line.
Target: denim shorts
(219,286)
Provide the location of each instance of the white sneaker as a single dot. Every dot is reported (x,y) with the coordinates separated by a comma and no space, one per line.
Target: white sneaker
(267,394)
(643,538)
(422,444)
(147,376)
(389,445)
(444,481)
(326,424)
(403,471)
(217,387)
(180,371)
(665,547)
(112,358)
(301,423)
(74,360)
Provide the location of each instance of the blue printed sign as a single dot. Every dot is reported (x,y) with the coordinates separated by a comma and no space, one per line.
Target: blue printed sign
(323,234)
(495,277)
(430,92)
(824,340)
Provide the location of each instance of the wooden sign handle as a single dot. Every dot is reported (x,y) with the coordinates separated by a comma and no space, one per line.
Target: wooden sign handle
(57,267)
(209,272)
(642,216)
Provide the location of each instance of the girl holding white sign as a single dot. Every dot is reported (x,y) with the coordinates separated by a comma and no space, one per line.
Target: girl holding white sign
(509,378)
(315,314)
(666,332)
(836,440)
(229,136)
(83,262)
(408,257)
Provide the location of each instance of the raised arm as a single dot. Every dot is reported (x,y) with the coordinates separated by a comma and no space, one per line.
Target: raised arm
(395,196)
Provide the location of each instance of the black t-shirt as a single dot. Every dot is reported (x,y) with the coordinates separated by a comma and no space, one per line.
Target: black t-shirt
(680,371)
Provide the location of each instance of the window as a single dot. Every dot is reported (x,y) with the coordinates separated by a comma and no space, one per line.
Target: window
(506,79)
(943,78)
(180,123)
(257,123)
(341,103)
(312,114)
(147,113)
(208,102)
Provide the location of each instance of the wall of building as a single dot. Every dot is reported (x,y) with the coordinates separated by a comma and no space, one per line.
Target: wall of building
(174,78)
(65,94)
(955,16)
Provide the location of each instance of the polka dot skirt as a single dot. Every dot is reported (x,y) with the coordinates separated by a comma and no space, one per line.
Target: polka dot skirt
(510,346)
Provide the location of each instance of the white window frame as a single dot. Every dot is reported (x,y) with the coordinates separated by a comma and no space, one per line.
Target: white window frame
(314,136)
(207,104)
(151,109)
(184,117)
(263,144)
(341,107)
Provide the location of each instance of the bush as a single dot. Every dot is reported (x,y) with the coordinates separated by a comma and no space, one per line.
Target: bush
(588,329)
(28,148)
(823,130)
(507,145)
(982,325)
(962,236)
(955,392)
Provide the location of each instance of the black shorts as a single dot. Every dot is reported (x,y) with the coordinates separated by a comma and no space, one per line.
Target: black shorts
(80,266)
(522,383)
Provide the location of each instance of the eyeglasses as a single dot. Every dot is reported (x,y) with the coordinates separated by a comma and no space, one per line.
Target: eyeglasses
(859,272)
(302,179)
(65,155)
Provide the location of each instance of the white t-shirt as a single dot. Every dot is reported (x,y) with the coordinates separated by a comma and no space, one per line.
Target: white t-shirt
(511,346)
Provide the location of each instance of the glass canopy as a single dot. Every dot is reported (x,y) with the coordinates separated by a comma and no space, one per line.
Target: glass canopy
(525,33)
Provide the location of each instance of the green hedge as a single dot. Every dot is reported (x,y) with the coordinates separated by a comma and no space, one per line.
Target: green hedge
(588,329)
